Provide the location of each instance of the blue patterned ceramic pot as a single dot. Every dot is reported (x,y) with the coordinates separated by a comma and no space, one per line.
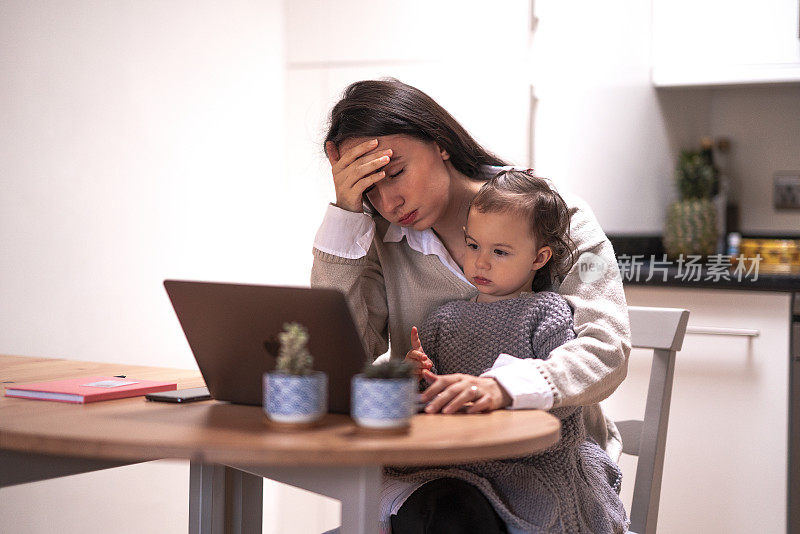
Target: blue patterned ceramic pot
(383,402)
(295,398)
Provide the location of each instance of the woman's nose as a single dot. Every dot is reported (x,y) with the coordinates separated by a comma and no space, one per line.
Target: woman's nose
(388,199)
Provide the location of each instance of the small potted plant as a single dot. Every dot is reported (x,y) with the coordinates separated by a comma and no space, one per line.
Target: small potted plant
(294,393)
(384,395)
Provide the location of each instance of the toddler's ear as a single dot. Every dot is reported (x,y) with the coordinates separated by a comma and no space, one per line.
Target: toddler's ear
(542,257)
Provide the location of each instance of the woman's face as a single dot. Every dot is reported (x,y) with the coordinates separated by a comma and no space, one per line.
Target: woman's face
(416,189)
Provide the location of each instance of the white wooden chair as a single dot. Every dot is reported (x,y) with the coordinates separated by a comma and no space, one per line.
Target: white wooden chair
(660,329)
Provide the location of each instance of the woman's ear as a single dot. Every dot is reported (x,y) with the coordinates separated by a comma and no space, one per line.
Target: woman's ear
(332,152)
(442,152)
(542,257)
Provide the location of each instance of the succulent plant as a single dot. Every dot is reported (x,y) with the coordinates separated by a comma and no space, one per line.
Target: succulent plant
(293,356)
(391,368)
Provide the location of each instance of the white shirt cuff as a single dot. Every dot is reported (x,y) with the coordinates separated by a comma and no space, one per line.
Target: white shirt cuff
(346,234)
(382,358)
(521,379)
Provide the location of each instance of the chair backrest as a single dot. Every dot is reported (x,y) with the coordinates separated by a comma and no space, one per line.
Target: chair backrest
(660,329)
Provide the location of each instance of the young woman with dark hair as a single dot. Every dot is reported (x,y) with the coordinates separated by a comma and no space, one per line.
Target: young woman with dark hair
(405,173)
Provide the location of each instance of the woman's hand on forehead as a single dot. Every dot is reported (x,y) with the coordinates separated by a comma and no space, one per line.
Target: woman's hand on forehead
(355,170)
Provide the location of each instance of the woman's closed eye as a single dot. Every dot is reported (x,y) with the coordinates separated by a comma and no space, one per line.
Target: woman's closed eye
(372,187)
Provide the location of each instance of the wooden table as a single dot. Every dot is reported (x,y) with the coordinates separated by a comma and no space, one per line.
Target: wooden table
(230,447)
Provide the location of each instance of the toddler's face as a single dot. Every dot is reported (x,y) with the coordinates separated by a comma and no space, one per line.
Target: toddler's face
(502,255)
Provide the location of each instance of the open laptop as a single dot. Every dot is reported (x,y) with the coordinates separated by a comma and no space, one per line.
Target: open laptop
(232,330)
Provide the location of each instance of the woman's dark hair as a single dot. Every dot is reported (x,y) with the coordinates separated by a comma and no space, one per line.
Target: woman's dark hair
(532,197)
(374,108)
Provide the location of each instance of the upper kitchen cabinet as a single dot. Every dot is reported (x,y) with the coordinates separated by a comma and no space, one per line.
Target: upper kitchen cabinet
(725,42)
(354,31)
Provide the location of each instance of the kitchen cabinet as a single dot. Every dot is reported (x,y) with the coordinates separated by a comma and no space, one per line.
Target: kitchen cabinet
(723,42)
(725,469)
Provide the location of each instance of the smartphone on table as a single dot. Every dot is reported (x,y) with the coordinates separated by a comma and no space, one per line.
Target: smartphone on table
(180,395)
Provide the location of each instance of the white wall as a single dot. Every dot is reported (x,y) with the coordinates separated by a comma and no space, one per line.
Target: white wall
(140,140)
(763,124)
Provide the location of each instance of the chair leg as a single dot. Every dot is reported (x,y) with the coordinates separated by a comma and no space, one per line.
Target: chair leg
(644,509)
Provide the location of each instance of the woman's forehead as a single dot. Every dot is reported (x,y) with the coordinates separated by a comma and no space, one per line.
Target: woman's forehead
(397,142)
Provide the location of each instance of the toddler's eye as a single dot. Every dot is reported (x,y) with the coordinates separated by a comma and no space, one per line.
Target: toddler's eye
(473,246)
(500,252)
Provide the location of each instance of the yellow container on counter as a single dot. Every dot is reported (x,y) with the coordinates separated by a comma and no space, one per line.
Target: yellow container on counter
(777,255)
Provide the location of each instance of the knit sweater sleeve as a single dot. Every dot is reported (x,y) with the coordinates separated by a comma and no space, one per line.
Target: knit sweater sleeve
(361,280)
(588,368)
(555,329)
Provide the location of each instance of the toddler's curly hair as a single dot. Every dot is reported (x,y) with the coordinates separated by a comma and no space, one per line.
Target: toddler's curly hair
(532,197)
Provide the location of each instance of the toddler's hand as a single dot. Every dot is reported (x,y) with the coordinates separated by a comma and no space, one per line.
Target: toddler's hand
(416,356)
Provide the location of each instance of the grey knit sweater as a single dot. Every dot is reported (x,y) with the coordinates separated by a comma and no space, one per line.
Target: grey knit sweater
(572,486)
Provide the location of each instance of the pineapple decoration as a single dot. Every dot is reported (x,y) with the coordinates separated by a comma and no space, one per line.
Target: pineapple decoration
(691,226)
(293,357)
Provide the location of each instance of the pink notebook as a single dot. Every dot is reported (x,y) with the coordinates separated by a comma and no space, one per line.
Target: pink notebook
(88,389)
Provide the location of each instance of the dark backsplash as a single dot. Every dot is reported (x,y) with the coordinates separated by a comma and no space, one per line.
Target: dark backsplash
(646,245)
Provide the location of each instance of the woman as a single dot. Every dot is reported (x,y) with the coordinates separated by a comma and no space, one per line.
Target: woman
(405,172)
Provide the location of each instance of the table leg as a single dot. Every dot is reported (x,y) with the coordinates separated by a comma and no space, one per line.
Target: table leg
(357,487)
(359,495)
(244,501)
(224,500)
(206,498)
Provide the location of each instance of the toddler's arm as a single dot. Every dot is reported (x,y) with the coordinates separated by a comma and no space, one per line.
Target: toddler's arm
(521,378)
